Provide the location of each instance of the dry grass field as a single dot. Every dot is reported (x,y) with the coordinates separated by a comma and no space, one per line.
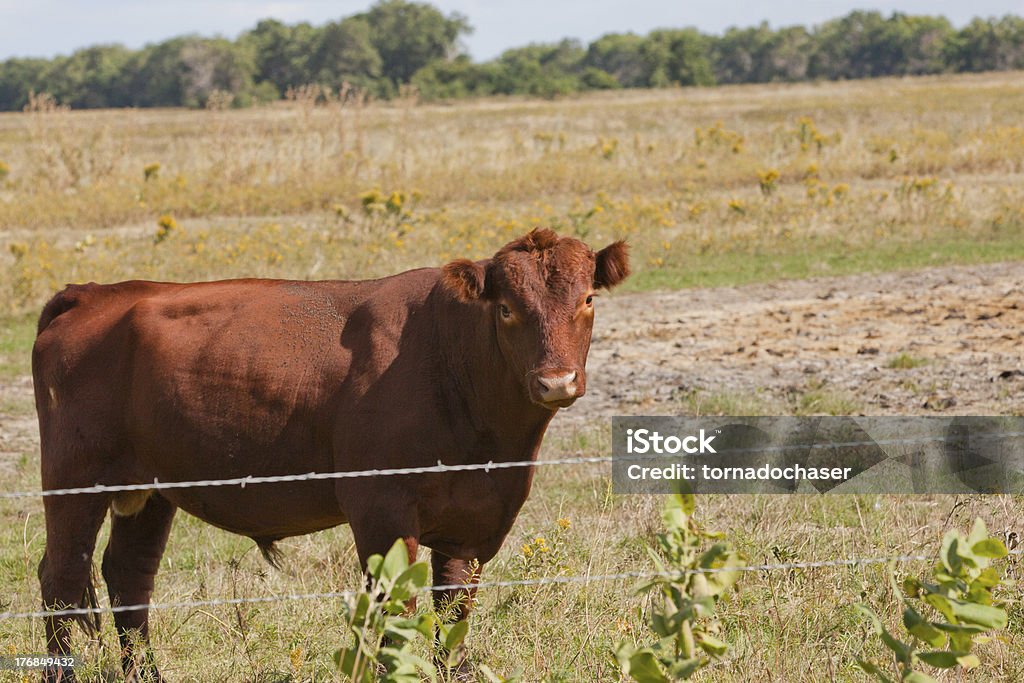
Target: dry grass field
(716,189)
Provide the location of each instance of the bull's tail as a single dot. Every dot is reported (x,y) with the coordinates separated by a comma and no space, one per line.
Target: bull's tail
(270,551)
(90,622)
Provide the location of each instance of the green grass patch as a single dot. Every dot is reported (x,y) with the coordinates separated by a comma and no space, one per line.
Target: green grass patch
(822,259)
(905,361)
(732,403)
(17,333)
(813,399)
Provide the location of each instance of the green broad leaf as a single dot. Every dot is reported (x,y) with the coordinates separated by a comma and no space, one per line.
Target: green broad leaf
(643,667)
(969,661)
(941,659)
(978,532)
(373,565)
(353,665)
(622,651)
(410,581)
(991,548)
(902,651)
(673,517)
(424,623)
(897,590)
(941,604)
(989,577)
(395,562)
(402,631)
(961,642)
(949,554)
(959,629)
(456,634)
(684,668)
(398,659)
(689,503)
(917,625)
(912,587)
(704,607)
(659,565)
(660,625)
(918,677)
(876,623)
(713,646)
(982,615)
(392,606)
(719,555)
(684,501)
(415,576)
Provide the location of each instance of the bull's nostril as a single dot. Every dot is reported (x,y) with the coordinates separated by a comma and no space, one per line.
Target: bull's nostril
(557,388)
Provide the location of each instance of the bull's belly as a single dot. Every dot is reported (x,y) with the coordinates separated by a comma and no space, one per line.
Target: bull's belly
(275,510)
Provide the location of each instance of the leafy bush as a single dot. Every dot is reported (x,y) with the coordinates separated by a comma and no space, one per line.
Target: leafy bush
(682,615)
(384,637)
(949,613)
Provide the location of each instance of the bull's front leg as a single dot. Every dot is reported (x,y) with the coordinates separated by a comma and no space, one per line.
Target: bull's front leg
(453,604)
(376,529)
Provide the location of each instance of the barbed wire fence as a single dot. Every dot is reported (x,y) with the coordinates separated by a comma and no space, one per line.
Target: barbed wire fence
(440,467)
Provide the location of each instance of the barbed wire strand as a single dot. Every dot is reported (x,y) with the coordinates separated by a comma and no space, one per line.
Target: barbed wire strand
(483,584)
(440,467)
(540,581)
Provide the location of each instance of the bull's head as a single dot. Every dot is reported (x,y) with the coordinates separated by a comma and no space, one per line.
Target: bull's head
(540,291)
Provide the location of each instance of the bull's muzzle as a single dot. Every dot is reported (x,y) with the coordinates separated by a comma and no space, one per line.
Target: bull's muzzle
(556,388)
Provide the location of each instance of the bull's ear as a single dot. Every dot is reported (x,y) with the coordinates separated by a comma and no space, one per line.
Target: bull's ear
(612,265)
(465,279)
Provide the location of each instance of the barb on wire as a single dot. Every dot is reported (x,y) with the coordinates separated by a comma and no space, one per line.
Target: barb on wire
(852,562)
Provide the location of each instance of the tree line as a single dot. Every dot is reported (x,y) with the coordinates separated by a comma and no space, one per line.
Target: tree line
(397,43)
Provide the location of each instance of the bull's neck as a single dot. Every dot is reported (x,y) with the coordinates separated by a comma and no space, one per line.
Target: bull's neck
(480,381)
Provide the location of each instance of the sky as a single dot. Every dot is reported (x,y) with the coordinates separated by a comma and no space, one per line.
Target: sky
(45,28)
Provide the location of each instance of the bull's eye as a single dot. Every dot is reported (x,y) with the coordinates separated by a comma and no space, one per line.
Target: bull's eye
(590,300)
(506,312)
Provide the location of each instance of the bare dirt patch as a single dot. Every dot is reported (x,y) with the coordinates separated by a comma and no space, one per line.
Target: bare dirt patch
(961,329)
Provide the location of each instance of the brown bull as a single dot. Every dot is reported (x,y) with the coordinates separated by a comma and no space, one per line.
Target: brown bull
(465,364)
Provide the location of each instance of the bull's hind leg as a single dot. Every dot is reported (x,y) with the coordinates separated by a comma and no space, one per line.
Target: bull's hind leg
(130,563)
(65,572)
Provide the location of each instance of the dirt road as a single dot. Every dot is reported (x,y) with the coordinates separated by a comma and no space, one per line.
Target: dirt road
(962,327)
